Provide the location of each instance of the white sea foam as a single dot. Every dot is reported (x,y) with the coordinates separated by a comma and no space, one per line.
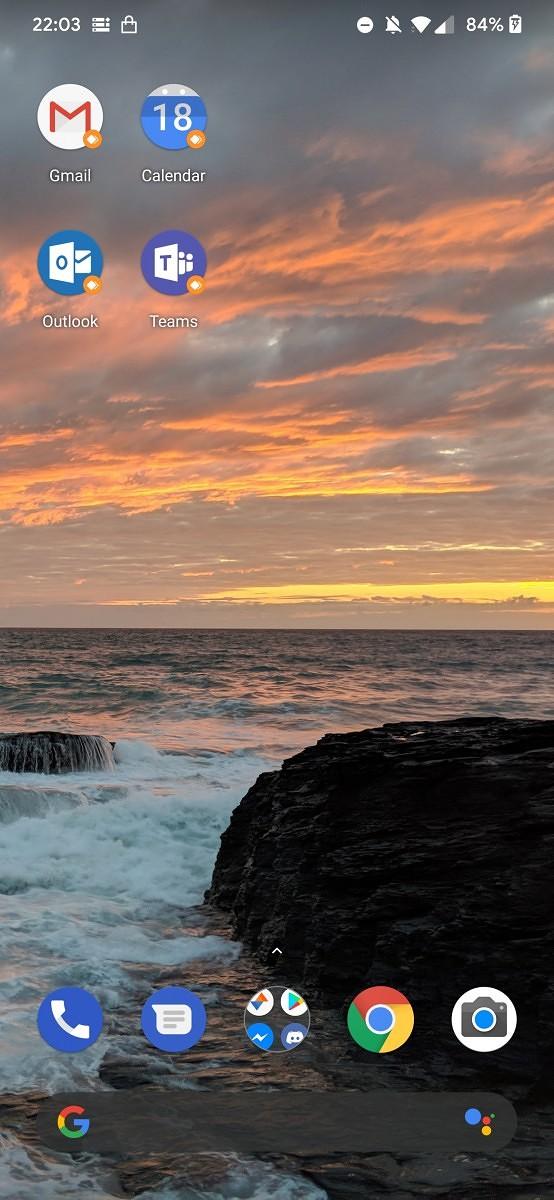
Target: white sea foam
(17,801)
(29,1174)
(95,876)
(245,1180)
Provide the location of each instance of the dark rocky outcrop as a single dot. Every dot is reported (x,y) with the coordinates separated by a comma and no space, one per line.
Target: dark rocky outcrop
(49,753)
(418,855)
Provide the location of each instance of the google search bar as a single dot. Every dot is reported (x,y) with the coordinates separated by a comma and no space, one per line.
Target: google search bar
(298,1122)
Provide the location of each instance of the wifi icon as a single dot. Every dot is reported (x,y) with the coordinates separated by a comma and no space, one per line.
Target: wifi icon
(421,23)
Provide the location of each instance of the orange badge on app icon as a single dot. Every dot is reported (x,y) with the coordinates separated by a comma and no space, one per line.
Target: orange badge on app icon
(196,139)
(92,284)
(196,284)
(92,139)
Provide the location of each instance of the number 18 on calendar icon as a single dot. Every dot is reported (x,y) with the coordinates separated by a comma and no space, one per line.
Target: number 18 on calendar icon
(174,116)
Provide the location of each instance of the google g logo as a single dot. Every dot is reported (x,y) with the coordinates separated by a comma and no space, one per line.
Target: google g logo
(79,1124)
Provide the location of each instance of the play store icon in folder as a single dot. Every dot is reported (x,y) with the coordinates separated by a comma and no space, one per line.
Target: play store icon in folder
(292,1003)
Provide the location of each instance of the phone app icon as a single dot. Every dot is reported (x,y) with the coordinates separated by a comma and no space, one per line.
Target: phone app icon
(484,1019)
(67,113)
(173,1019)
(380,1019)
(174,117)
(70,262)
(174,262)
(70,1019)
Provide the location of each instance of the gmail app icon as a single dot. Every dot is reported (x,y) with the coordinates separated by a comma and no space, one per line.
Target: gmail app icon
(67,113)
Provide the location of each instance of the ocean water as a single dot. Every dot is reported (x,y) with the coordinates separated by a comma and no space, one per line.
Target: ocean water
(100,873)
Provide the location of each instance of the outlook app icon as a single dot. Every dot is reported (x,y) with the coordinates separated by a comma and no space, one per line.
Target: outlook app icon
(70,262)
(174,262)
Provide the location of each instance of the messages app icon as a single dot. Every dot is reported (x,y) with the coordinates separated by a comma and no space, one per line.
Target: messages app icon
(173,1019)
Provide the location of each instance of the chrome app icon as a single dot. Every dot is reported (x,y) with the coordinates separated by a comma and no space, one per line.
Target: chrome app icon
(380,1019)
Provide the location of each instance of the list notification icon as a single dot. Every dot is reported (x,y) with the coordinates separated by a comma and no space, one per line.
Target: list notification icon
(67,113)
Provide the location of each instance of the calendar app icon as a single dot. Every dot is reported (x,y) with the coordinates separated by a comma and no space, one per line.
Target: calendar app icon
(172,114)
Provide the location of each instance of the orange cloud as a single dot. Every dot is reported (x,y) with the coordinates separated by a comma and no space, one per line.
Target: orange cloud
(404,360)
(47,495)
(319,254)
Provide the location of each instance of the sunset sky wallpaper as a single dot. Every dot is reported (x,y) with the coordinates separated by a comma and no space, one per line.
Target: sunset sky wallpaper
(359,433)
(276,602)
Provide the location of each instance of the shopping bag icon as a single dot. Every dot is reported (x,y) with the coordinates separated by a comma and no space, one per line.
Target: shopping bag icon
(129,25)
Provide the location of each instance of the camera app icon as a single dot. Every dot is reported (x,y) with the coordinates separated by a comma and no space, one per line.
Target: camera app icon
(484,1019)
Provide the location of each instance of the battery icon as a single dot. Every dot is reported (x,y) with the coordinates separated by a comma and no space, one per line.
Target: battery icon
(515,23)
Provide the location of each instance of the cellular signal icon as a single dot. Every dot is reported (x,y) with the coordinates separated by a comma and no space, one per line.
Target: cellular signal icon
(446,27)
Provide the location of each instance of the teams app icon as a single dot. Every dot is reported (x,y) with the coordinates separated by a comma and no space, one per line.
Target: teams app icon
(70,117)
(174,262)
